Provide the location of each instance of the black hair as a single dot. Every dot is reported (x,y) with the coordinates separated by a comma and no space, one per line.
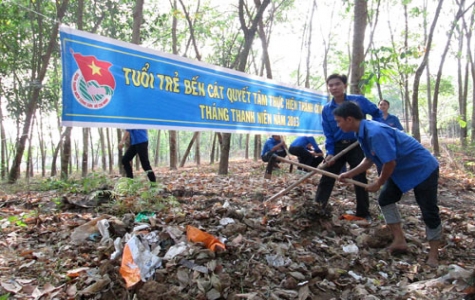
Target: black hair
(384,100)
(348,109)
(343,78)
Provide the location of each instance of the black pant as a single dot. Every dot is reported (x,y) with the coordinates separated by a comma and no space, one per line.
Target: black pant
(425,194)
(142,150)
(305,157)
(266,157)
(325,187)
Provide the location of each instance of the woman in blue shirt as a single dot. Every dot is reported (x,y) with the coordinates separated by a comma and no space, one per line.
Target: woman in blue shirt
(403,164)
(389,119)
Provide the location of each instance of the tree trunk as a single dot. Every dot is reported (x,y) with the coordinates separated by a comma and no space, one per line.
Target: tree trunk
(257,147)
(308,70)
(249,34)
(157,150)
(42,146)
(357,67)
(66,156)
(187,151)
(470,67)
(173,150)
(120,153)
(3,143)
(224,157)
(416,132)
(197,149)
(102,143)
(433,118)
(213,146)
(85,151)
(247,146)
(33,100)
(110,151)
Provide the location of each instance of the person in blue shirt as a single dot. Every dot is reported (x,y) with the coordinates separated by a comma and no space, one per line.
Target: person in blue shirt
(336,141)
(389,119)
(138,145)
(403,164)
(307,151)
(273,145)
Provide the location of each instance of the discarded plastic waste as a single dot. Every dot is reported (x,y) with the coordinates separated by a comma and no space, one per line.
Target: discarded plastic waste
(144,216)
(175,250)
(198,236)
(351,248)
(87,231)
(350,217)
(137,262)
(278,260)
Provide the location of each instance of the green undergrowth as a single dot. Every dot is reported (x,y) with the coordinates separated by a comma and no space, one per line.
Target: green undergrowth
(96,192)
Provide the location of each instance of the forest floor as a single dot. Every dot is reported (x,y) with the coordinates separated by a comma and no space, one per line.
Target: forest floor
(66,240)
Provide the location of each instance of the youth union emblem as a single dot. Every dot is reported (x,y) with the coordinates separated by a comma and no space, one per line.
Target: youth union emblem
(92,84)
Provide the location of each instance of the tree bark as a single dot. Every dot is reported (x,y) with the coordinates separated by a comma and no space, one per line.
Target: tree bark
(249,34)
(187,151)
(357,60)
(3,143)
(33,102)
(66,157)
(416,132)
(85,151)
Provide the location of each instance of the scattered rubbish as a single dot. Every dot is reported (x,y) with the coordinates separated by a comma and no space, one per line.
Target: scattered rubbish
(277,260)
(141,227)
(193,266)
(175,250)
(117,247)
(144,216)
(198,236)
(137,262)
(87,231)
(354,275)
(350,217)
(226,221)
(351,248)
(103,226)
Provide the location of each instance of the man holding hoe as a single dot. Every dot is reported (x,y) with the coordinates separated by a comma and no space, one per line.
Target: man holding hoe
(403,164)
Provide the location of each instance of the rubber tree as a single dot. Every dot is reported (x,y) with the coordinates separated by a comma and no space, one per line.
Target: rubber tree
(47,44)
(249,34)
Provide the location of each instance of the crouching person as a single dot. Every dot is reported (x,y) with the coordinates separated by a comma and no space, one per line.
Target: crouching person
(403,164)
(273,145)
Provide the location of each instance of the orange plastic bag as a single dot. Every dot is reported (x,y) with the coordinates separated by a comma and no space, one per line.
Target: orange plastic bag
(198,236)
(351,218)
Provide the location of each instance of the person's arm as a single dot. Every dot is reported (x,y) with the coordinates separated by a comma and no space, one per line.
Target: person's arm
(386,172)
(364,165)
(278,146)
(328,132)
(369,108)
(125,137)
(398,124)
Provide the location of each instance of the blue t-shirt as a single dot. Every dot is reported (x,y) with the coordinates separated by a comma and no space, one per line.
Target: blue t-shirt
(332,132)
(383,144)
(269,144)
(303,141)
(393,121)
(138,136)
